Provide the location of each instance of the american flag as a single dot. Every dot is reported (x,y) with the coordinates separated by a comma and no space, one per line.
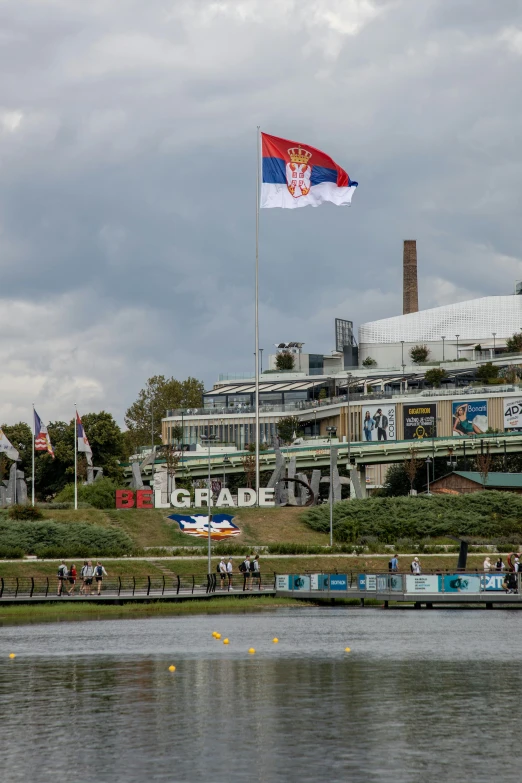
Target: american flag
(42,441)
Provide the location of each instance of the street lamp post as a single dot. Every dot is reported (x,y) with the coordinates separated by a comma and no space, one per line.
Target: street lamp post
(443,338)
(457,336)
(402,361)
(226,462)
(494,343)
(348,427)
(261,355)
(428,463)
(331,431)
(209,491)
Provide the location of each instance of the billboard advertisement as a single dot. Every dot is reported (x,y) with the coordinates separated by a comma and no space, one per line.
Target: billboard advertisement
(378,422)
(462,583)
(470,418)
(338,582)
(420,421)
(513,414)
(422,584)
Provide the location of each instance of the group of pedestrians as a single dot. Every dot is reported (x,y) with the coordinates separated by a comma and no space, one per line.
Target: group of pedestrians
(249,568)
(499,565)
(67,578)
(415,567)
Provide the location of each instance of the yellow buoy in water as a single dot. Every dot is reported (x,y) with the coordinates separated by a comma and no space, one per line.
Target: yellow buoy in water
(347,649)
(218,636)
(251,651)
(12,655)
(225,641)
(275,640)
(172,668)
(214,634)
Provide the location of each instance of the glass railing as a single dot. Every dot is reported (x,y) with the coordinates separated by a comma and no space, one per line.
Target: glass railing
(302,405)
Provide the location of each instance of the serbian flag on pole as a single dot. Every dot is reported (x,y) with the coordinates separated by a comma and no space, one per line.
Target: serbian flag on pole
(42,441)
(83,441)
(297,175)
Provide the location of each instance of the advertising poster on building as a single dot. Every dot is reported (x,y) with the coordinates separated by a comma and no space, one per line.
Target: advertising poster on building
(378,422)
(420,421)
(470,418)
(513,414)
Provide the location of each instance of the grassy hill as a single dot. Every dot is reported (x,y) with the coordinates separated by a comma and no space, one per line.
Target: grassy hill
(152,528)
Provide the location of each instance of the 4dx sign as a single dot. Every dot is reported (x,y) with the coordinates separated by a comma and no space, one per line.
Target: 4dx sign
(180,498)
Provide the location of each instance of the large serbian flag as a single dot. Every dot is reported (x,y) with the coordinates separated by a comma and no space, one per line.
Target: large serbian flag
(42,441)
(297,175)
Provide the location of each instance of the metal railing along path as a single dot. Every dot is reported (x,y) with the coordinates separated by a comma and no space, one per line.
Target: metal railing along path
(199,585)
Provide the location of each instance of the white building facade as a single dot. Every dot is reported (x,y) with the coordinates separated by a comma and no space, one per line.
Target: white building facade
(457,331)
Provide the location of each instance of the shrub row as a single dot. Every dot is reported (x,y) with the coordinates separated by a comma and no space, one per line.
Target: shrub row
(488,515)
(53,539)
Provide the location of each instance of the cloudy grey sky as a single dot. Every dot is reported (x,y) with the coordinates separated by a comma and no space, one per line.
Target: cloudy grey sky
(127,191)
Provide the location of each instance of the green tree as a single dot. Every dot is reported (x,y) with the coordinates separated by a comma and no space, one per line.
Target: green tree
(160,394)
(396,482)
(107,444)
(514,343)
(369,362)
(435,376)
(285,361)
(419,354)
(286,428)
(487,372)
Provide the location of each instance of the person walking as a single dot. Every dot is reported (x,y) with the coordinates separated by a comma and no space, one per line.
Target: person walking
(416,566)
(229,573)
(245,569)
(257,572)
(99,573)
(82,577)
(487,564)
(499,565)
(62,576)
(72,579)
(394,564)
(88,573)
(223,573)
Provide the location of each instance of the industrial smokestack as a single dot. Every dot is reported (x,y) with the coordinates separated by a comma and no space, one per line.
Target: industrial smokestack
(410,291)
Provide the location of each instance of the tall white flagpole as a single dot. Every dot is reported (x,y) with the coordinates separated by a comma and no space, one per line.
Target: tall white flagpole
(34,437)
(257,318)
(75,459)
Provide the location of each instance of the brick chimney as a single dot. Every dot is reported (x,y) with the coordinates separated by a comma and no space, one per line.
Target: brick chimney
(410,292)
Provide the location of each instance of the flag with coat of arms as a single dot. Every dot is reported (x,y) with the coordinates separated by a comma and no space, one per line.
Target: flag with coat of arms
(298,175)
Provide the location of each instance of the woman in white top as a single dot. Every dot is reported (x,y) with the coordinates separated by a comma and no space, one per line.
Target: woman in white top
(415,566)
(487,564)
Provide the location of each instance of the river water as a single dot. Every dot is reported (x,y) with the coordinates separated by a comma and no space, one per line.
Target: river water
(431,695)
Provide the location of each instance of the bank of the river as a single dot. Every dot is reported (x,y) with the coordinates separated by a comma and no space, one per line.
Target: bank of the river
(294,564)
(75,612)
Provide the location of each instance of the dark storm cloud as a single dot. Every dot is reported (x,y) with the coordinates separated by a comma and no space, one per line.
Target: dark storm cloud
(127,161)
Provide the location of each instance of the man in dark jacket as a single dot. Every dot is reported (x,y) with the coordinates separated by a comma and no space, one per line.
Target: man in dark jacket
(381,423)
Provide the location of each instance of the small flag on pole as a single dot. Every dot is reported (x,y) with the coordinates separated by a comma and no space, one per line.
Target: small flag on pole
(7,448)
(42,441)
(83,441)
(297,175)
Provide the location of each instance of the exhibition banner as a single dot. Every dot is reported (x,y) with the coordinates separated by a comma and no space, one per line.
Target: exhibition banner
(490,582)
(513,414)
(282,582)
(462,583)
(298,582)
(371,582)
(422,584)
(378,422)
(338,582)
(470,418)
(420,421)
